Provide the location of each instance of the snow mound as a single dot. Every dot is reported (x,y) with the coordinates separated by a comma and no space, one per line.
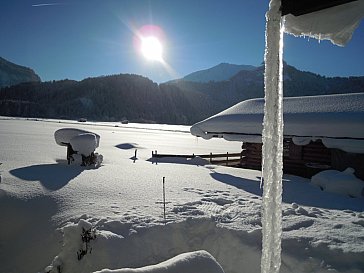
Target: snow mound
(75,245)
(198,261)
(121,245)
(64,135)
(339,182)
(84,144)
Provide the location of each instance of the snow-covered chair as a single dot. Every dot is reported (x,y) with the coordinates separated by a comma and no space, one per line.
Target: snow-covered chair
(80,142)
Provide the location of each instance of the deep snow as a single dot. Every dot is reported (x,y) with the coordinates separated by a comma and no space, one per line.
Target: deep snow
(197,261)
(43,202)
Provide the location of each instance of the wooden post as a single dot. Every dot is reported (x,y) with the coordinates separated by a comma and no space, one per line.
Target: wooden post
(210,157)
(68,153)
(164,200)
(135,155)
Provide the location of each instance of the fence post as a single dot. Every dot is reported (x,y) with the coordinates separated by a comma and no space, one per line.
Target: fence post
(210,157)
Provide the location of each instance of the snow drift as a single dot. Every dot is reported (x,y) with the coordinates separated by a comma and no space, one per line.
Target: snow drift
(345,183)
(197,261)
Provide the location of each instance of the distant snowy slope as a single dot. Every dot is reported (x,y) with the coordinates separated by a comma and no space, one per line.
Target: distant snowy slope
(220,72)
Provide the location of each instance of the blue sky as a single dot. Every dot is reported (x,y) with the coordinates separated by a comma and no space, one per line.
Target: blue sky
(80,39)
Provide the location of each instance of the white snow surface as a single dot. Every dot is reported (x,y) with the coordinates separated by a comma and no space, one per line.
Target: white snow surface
(332,118)
(345,182)
(196,261)
(45,203)
(336,24)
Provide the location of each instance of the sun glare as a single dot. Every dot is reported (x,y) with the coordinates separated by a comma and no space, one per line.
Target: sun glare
(149,41)
(151,44)
(152,48)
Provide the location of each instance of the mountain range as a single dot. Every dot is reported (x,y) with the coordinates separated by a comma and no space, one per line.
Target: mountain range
(138,99)
(220,72)
(12,74)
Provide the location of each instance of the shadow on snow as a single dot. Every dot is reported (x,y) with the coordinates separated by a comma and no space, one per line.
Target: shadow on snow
(295,190)
(198,161)
(127,146)
(51,176)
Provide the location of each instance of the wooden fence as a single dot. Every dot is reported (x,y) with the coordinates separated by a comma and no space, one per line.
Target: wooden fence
(227,159)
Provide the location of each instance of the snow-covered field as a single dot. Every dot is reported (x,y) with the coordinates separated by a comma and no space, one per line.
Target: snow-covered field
(45,203)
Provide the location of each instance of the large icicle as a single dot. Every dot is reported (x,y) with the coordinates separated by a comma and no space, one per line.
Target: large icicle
(272,141)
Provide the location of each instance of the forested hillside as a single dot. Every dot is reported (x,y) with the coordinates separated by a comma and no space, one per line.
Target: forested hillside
(249,84)
(109,98)
(138,99)
(11,74)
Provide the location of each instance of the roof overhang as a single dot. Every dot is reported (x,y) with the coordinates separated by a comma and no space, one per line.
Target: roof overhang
(298,8)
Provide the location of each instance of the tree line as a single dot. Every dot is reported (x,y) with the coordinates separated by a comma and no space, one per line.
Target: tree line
(138,99)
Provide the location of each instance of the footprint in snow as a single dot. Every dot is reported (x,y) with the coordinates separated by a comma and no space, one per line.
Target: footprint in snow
(359,222)
(299,225)
(218,201)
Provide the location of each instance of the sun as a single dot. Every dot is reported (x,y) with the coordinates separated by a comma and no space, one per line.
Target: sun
(152,48)
(150,43)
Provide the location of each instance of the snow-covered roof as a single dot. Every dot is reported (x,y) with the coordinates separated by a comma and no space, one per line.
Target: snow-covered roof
(328,116)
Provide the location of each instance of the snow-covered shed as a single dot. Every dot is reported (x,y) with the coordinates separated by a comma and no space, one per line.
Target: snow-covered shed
(320,132)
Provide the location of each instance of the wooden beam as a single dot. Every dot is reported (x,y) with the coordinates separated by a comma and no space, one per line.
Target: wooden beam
(301,7)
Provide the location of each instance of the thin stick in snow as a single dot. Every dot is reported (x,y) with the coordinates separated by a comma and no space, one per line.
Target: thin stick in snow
(164,200)
(135,155)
